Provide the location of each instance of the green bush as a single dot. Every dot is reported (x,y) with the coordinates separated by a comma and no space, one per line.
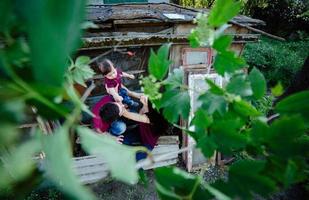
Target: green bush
(264,105)
(279,61)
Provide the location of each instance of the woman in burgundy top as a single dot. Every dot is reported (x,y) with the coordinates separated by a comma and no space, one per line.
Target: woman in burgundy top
(151,123)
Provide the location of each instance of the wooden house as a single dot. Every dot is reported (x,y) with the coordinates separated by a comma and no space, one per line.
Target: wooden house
(125,34)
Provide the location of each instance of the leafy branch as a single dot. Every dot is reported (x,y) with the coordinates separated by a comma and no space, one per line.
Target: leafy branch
(226,119)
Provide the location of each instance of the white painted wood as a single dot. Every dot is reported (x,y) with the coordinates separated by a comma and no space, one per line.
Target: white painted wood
(168,140)
(164,149)
(162,163)
(88,179)
(195,58)
(91,169)
(197,82)
(88,162)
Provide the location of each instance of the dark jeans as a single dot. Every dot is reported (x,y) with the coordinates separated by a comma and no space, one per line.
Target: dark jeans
(127,99)
(132,138)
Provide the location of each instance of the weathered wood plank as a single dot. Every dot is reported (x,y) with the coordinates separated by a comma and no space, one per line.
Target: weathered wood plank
(86,161)
(168,140)
(92,168)
(88,179)
(162,163)
(164,149)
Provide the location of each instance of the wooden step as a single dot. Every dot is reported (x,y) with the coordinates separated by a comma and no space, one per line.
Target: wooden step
(91,168)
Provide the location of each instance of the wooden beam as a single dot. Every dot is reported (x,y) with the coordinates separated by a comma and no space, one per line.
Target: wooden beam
(259,31)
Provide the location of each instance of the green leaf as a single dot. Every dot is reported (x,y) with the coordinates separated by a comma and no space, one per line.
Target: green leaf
(175,103)
(165,194)
(201,122)
(59,165)
(10,91)
(47,91)
(17,163)
(245,109)
(203,34)
(12,111)
(151,87)
(215,89)
(293,104)
(245,177)
(175,179)
(53,32)
(18,53)
(223,11)
(175,79)
(8,134)
(284,136)
(240,86)
(201,119)
(227,136)
(207,146)
(228,62)
(193,39)
(116,155)
(175,184)
(213,103)
(258,83)
(143,177)
(277,90)
(81,61)
(222,43)
(287,127)
(81,70)
(158,64)
(290,173)
(259,132)
(217,194)
(5,14)
(59,110)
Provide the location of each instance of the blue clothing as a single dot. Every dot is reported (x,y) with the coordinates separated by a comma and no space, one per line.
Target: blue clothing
(132,138)
(127,99)
(117,128)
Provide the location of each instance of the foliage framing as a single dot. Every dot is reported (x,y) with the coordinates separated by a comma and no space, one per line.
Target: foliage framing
(33,75)
(228,121)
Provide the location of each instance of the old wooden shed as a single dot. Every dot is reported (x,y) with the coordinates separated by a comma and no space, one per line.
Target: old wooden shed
(127,32)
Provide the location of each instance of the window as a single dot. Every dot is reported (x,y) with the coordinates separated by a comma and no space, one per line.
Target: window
(197,57)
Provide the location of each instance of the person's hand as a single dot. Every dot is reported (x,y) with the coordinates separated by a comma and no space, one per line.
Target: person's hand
(144,99)
(119,139)
(131,76)
(118,98)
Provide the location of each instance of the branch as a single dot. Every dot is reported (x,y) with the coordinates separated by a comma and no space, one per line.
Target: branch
(88,91)
(105,53)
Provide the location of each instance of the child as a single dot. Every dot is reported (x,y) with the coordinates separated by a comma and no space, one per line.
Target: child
(113,84)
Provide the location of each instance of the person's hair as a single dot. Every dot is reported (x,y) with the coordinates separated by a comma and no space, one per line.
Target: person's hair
(105,66)
(109,112)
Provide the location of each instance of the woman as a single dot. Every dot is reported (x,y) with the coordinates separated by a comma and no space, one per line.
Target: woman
(151,124)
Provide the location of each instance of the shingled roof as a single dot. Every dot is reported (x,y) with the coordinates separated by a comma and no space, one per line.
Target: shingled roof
(156,12)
